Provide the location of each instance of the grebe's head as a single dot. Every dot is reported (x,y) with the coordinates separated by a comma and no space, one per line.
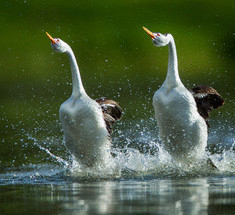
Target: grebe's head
(159,39)
(58,45)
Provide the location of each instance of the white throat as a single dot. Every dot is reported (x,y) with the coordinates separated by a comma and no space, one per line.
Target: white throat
(172,78)
(78,89)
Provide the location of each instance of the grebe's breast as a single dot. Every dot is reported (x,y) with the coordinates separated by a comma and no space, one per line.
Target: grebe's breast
(85,130)
(180,125)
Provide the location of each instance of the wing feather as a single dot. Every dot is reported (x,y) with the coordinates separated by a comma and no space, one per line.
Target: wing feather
(111,111)
(207,99)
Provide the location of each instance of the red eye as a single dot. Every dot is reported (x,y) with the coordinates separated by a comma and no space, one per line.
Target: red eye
(158,34)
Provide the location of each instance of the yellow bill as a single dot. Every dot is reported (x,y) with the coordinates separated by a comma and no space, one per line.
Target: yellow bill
(50,37)
(149,32)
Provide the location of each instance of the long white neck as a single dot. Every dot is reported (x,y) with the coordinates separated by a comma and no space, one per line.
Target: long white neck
(172,78)
(78,89)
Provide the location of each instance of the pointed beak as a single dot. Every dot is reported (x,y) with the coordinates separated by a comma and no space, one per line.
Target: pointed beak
(149,32)
(50,37)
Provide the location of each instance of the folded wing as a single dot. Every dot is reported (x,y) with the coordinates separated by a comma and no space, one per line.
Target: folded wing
(207,99)
(111,111)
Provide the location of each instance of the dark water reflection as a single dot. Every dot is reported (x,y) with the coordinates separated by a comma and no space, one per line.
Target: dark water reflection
(179,196)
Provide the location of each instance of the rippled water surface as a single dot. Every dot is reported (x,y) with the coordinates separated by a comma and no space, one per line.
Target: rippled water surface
(64,195)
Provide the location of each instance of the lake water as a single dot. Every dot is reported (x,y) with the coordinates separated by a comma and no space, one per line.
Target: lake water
(55,195)
(140,179)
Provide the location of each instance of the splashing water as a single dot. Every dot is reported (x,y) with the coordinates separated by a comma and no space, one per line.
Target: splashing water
(136,153)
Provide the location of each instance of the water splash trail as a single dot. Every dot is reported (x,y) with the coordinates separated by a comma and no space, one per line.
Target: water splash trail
(56,158)
(136,153)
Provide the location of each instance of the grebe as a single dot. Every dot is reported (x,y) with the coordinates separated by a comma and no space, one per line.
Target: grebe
(182,114)
(86,123)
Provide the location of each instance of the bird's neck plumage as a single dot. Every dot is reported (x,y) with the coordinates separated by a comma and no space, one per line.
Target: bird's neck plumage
(172,78)
(78,89)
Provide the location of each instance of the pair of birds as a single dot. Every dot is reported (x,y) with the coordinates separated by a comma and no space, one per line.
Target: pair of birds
(181,114)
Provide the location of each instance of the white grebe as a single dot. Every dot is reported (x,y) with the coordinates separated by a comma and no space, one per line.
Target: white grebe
(182,114)
(86,123)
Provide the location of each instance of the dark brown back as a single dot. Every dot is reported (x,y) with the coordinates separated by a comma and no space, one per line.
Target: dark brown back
(111,111)
(207,99)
